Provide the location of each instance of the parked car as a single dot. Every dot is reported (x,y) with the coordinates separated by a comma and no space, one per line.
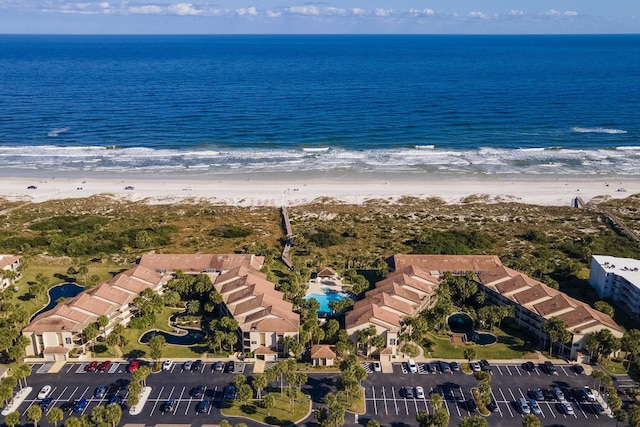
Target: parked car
(218,366)
(203,406)
(104,366)
(578,369)
(44,392)
(589,393)
(92,366)
(579,394)
(492,406)
(565,408)
(230,393)
(523,406)
(550,368)
(475,366)
(484,365)
(197,391)
(548,394)
(433,367)
(80,405)
(231,366)
(408,392)
(377,367)
(32,187)
(67,406)
(100,391)
(419,392)
(413,368)
(128,187)
(197,365)
(167,365)
(115,400)
(529,366)
(187,365)
(45,403)
(597,409)
(445,367)
(471,405)
(169,405)
(455,366)
(557,392)
(537,394)
(133,365)
(535,408)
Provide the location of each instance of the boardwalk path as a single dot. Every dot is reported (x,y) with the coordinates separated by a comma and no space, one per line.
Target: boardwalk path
(287,246)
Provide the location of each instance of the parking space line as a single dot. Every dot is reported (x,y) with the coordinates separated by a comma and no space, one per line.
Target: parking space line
(375,405)
(178,401)
(499,370)
(444,401)
(406,406)
(393,392)
(453,398)
(426,404)
(518,370)
(506,402)
(508,370)
(70,367)
(581,410)
(496,401)
(550,409)
(384,397)
(565,372)
(156,402)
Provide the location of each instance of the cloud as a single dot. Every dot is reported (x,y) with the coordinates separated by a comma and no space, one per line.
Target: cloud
(146,10)
(183,9)
(247,11)
(304,10)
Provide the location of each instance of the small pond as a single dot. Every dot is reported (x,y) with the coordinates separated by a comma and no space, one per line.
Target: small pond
(65,290)
(463,323)
(192,337)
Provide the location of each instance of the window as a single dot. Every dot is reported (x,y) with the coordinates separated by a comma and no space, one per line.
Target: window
(392,341)
(254,342)
(67,340)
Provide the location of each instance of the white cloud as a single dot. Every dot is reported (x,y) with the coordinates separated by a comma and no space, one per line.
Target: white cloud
(305,10)
(553,12)
(516,12)
(247,11)
(146,10)
(358,11)
(183,9)
(478,15)
(383,12)
(272,14)
(570,13)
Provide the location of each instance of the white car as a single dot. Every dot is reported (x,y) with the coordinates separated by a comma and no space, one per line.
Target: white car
(475,367)
(419,392)
(167,365)
(413,368)
(589,393)
(44,392)
(377,367)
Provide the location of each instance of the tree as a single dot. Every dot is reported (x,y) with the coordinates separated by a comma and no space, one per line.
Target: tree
(259,383)
(141,374)
(530,420)
(604,307)
(469,354)
(634,415)
(134,393)
(12,418)
(34,414)
(55,415)
(475,421)
(245,393)
(90,333)
(373,423)
(102,322)
(436,400)
(113,414)
(73,422)
(225,423)
(22,372)
(630,343)
(620,415)
(557,331)
(156,345)
(269,402)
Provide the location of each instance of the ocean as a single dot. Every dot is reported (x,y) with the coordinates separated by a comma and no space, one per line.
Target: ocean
(208,105)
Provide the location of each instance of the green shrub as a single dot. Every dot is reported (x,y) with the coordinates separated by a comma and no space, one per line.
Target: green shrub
(231,231)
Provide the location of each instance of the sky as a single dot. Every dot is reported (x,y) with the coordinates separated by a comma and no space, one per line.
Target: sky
(302,17)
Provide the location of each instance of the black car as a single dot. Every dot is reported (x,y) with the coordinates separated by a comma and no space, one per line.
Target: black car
(68,406)
(548,394)
(169,406)
(231,366)
(203,405)
(45,403)
(529,366)
(578,369)
(471,405)
(197,392)
(550,368)
(484,365)
(196,365)
(492,406)
(579,394)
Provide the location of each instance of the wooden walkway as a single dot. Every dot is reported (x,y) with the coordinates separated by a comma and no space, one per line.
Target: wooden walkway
(612,220)
(287,245)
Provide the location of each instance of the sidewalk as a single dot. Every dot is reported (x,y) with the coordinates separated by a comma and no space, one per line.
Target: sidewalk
(17,400)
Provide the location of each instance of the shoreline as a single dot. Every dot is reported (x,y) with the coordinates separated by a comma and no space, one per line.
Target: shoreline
(291,189)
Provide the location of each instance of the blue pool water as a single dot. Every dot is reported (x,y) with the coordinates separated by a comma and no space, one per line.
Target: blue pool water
(65,290)
(325,298)
(463,323)
(193,336)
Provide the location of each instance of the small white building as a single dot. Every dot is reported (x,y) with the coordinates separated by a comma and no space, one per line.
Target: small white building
(618,279)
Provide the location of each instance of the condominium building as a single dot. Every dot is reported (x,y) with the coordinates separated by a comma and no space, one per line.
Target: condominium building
(618,279)
(10,271)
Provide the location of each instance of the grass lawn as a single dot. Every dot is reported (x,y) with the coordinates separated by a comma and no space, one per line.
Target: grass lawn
(507,347)
(614,367)
(281,414)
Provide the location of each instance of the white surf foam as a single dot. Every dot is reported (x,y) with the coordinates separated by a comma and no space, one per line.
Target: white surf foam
(611,131)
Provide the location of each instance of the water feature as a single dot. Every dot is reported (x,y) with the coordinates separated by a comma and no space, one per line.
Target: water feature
(65,290)
(325,298)
(192,337)
(463,323)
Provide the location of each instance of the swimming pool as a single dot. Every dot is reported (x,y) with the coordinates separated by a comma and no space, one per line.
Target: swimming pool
(463,323)
(325,298)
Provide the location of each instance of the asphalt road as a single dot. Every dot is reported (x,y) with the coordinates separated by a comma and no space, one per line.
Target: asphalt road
(384,400)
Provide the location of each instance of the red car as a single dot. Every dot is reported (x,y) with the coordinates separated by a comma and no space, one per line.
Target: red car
(133,366)
(91,367)
(104,366)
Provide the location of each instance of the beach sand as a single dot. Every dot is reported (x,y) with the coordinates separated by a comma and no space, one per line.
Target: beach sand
(264,189)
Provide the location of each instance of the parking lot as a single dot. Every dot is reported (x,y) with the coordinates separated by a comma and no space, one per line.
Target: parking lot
(384,400)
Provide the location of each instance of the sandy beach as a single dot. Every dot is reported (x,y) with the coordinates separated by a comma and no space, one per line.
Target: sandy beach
(265,189)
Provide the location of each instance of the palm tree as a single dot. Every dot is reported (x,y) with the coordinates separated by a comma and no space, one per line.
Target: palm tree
(55,415)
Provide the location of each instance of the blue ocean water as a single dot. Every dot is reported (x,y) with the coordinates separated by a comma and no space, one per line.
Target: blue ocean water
(229,104)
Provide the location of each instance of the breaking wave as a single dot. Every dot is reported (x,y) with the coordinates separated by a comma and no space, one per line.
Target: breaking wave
(599,130)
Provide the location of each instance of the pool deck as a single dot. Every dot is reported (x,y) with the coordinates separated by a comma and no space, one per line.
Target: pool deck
(316,286)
